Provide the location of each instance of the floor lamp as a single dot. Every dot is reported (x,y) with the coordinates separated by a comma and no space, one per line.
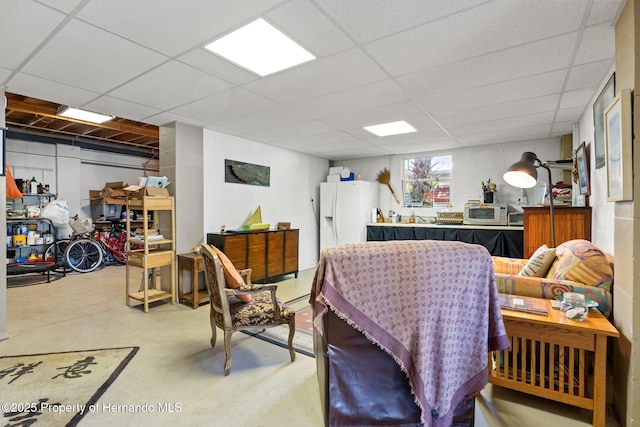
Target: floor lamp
(523,174)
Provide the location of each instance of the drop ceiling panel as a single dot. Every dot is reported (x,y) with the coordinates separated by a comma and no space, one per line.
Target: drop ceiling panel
(232,103)
(216,66)
(173,27)
(501,124)
(409,111)
(68,59)
(170,85)
(355,99)
(512,90)
(581,76)
(23,26)
(541,104)
(309,27)
(111,105)
(366,20)
(576,98)
(319,77)
(48,90)
(507,135)
(487,29)
(595,41)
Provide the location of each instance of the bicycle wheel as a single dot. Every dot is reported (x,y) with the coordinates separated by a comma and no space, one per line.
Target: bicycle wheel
(84,255)
(56,253)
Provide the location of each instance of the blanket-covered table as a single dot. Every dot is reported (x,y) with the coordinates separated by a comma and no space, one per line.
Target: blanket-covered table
(432,305)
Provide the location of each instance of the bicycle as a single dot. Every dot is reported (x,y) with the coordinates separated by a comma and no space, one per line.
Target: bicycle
(89,249)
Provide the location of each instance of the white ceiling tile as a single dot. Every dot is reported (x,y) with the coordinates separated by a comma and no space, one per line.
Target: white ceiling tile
(588,75)
(501,124)
(170,85)
(308,26)
(604,10)
(563,128)
(264,119)
(569,114)
(597,41)
(47,90)
(216,66)
(119,107)
(298,130)
(354,99)
(506,135)
(493,68)
(80,61)
(65,6)
(319,77)
(577,98)
(4,74)
(427,145)
(366,20)
(529,106)
(173,27)
(493,27)
(235,102)
(512,90)
(19,36)
(383,114)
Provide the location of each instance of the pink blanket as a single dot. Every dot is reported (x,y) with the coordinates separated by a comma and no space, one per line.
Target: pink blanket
(432,305)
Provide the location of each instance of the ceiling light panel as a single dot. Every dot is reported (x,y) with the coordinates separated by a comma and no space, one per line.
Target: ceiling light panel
(87,116)
(391,128)
(260,48)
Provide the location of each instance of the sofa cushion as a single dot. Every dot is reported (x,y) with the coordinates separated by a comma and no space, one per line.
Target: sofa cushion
(583,262)
(539,263)
(232,277)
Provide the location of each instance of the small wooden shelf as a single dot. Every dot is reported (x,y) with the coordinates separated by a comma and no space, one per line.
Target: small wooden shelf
(150,255)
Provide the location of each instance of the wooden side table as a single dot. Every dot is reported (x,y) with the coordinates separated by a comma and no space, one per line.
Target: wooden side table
(193,263)
(553,357)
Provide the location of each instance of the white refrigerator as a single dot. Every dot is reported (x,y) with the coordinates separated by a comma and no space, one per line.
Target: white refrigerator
(345,210)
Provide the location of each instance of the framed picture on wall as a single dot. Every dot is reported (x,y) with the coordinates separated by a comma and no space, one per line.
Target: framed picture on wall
(617,131)
(582,163)
(604,99)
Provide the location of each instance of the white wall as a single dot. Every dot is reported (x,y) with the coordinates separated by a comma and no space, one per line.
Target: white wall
(470,167)
(295,182)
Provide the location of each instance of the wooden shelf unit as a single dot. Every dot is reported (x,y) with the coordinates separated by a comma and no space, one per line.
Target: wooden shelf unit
(570,223)
(268,253)
(153,254)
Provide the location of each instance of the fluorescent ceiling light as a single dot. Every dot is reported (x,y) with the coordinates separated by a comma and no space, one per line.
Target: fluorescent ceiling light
(392,128)
(87,116)
(260,48)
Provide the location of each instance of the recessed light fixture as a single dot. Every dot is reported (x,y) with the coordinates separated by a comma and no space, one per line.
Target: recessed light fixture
(391,128)
(260,48)
(84,115)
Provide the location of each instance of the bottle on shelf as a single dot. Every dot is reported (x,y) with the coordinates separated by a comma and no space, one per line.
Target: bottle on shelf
(33,186)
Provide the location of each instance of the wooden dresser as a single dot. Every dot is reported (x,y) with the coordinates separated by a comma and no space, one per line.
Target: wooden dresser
(570,223)
(268,254)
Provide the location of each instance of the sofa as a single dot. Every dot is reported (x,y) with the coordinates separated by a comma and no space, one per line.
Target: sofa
(576,266)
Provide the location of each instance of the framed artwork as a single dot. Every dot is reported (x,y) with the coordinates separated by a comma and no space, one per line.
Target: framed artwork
(618,135)
(246,173)
(604,99)
(582,161)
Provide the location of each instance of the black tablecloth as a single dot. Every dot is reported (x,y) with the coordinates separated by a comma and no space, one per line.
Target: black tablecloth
(499,242)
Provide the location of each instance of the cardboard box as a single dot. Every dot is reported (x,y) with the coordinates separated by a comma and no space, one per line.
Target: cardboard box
(137,192)
(284,226)
(112,194)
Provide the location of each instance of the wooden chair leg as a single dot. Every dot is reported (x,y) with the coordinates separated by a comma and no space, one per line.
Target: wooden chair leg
(213,330)
(227,350)
(292,331)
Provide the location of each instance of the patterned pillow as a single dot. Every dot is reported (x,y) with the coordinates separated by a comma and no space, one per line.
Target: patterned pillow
(583,262)
(232,277)
(539,262)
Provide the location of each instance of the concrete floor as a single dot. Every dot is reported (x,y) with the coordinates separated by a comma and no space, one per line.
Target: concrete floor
(176,365)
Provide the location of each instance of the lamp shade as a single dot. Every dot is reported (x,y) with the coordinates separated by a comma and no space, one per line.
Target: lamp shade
(523,173)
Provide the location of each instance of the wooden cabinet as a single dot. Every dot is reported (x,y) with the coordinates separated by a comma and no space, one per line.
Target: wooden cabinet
(150,252)
(570,223)
(267,253)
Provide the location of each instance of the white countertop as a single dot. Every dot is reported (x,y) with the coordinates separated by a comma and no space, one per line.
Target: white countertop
(462,226)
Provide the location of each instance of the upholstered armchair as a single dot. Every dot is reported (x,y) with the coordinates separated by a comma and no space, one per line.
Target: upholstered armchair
(575,266)
(237,304)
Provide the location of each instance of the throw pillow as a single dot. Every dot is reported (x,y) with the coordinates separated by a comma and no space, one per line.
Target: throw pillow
(539,263)
(232,277)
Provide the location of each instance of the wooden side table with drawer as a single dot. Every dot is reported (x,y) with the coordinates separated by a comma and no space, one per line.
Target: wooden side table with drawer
(556,358)
(193,263)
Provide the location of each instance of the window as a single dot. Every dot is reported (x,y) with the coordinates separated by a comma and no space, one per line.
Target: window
(427,181)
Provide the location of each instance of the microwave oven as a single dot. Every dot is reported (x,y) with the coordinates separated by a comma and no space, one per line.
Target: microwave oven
(485,214)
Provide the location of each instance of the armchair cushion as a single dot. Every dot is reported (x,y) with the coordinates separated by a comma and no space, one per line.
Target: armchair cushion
(539,263)
(232,276)
(581,261)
